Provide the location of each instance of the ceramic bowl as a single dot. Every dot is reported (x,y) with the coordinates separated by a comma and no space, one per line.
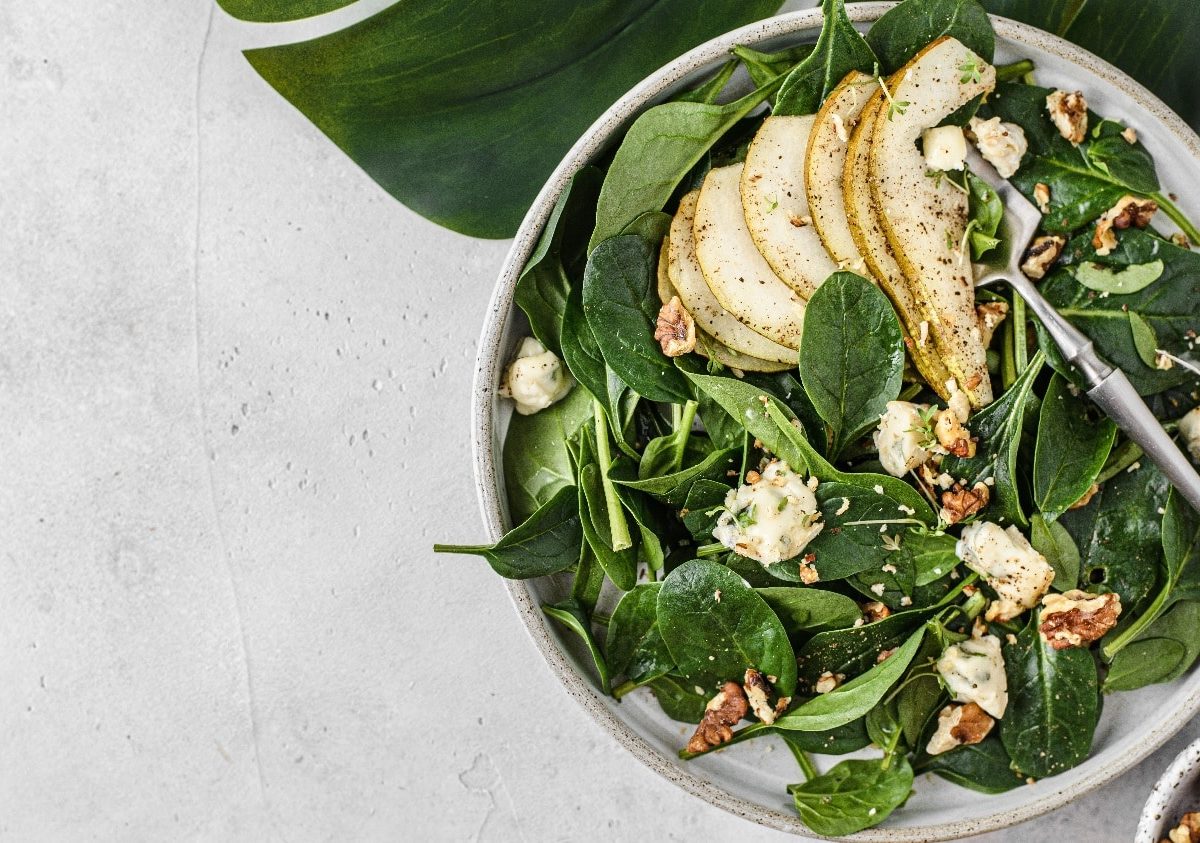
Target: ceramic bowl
(1175,794)
(749,779)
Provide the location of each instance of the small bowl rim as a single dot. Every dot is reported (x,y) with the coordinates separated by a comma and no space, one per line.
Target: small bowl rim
(485,446)
(1155,820)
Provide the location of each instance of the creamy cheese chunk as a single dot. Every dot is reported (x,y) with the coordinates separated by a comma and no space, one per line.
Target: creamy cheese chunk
(1003,145)
(535,379)
(902,438)
(1007,561)
(945,148)
(771,519)
(974,672)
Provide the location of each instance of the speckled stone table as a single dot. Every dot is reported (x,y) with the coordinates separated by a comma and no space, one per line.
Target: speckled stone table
(234,390)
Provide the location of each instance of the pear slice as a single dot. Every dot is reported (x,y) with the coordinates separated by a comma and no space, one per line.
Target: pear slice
(706,344)
(924,219)
(825,163)
(775,203)
(686,277)
(736,272)
(872,245)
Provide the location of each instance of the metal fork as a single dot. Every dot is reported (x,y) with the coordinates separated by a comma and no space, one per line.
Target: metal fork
(1107,385)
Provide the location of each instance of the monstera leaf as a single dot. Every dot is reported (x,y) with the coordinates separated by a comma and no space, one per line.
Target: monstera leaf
(273,11)
(460,110)
(1151,40)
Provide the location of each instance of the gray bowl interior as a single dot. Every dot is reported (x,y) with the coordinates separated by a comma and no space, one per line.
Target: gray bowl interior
(749,779)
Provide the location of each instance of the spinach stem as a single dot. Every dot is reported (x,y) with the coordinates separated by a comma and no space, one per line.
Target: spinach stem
(618,526)
(623,689)
(1020,342)
(1008,360)
(909,392)
(1008,72)
(714,549)
(681,422)
(1136,628)
(806,766)
(1121,459)
(1177,217)
(461,548)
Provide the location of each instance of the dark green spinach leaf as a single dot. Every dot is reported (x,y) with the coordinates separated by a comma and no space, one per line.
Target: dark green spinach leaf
(572,615)
(547,542)
(715,627)
(810,610)
(536,461)
(1052,540)
(1053,704)
(634,645)
(1073,443)
(852,359)
(840,49)
(854,795)
(911,26)
(1162,652)
(984,767)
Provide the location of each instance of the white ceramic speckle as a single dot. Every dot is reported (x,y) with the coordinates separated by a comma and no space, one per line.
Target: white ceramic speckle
(749,780)
(1175,794)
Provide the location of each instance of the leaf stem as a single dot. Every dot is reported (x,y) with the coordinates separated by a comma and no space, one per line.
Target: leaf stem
(681,420)
(1177,216)
(1122,458)
(806,766)
(617,525)
(1020,344)
(1008,72)
(461,548)
(1131,632)
(714,549)
(624,688)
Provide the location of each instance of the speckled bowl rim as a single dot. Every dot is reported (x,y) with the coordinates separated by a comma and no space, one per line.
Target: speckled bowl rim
(487,474)
(1156,816)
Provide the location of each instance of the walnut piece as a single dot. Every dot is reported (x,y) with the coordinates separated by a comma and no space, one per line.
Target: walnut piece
(1129,211)
(1069,113)
(1041,195)
(1076,618)
(959,504)
(758,693)
(875,611)
(1188,830)
(808,574)
(827,681)
(990,314)
(1041,255)
(723,712)
(1130,134)
(959,725)
(675,329)
(952,436)
(1087,497)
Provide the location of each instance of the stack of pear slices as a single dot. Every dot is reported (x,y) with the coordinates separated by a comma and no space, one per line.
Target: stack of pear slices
(847,188)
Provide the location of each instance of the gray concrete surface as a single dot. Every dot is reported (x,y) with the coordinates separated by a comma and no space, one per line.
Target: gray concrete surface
(234,389)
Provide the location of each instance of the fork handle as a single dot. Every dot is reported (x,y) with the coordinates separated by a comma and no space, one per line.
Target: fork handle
(1109,387)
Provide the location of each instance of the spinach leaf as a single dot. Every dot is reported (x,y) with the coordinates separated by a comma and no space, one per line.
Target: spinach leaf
(849,737)
(999,427)
(840,49)
(1181,569)
(545,281)
(1052,540)
(808,610)
(463,116)
(852,360)
(678,699)
(547,542)
(1150,40)
(985,212)
(673,489)
(1080,190)
(1168,307)
(932,554)
(582,355)
(621,306)
(1053,704)
(722,428)
(536,461)
(855,698)
(589,576)
(853,651)
(921,695)
(1073,444)
(1118,534)
(658,151)
(634,645)
(763,67)
(620,565)
(1131,279)
(653,527)
(984,767)
(854,795)
(572,615)
(711,88)
(698,513)
(911,26)
(715,626)
(1162,652)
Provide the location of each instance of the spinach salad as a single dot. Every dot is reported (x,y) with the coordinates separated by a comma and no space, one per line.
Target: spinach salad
(798,477)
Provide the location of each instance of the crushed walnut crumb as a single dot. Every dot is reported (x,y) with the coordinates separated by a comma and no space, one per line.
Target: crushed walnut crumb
(959,504)
(723,712)
(952,436)
(1129,211)
(875,611)
(1087,497)
(675,329)
(827,681)
(1041,195)
(1041,255)
(758,694)
(1077,618)
(1069,113)
(990,315)
(959,725)
(1188,830)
